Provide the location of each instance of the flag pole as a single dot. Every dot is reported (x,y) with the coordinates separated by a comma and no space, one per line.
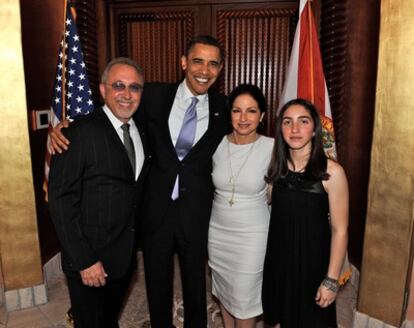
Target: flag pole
(312,82)
(65,2)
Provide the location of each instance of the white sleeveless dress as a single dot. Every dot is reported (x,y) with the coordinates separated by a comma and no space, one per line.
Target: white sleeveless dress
(238,233)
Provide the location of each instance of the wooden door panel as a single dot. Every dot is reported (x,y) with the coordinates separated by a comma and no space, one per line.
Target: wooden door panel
(257,43)
(155,37)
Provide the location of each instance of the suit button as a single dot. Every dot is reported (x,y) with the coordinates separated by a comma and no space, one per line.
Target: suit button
(132,229)
(182,164)
(183,189)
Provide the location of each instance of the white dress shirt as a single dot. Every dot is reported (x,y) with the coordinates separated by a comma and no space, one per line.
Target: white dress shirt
(181,102)
(133,132)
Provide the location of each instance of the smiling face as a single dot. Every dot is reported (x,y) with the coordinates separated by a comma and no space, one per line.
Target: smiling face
(202,66)
(245,116)
(298,128)
(122,103)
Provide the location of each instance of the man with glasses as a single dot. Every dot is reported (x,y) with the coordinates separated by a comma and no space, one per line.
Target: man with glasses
(94,192)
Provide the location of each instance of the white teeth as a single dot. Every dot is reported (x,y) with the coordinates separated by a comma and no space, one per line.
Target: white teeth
(201,80)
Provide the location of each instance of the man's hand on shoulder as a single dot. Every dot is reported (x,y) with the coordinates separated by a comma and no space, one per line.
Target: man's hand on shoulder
(58,142)
(94,276)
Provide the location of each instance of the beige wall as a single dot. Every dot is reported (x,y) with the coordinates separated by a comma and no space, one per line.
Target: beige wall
(387,246)
(19,245)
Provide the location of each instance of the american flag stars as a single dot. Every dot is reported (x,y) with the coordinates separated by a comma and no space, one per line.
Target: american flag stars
(71,84)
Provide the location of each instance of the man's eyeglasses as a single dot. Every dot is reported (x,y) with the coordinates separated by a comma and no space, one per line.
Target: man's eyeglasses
(133,87)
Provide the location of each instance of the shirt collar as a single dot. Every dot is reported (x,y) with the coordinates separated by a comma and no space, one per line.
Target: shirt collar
(185,94)
(114,120)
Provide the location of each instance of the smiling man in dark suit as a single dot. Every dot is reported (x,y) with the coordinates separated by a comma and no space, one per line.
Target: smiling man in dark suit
(94,192)
(179,189)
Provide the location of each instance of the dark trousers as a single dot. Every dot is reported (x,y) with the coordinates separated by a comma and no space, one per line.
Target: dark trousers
(159,249)
(97,307)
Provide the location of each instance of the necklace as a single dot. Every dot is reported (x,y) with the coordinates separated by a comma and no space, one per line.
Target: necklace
(233,177)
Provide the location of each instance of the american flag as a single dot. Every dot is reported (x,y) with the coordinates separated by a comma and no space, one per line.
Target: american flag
(71,92)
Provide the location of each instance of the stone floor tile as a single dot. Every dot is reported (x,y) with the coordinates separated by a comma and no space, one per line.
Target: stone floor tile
(57,288)
(3,316)
(28,318)
(55,311)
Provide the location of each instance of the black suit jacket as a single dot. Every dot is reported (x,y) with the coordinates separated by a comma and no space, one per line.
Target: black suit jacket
(196,187)
(94,198)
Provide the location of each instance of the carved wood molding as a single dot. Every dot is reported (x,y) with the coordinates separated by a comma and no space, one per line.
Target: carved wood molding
(186,19)
(86,23)
(155,39)
(334,39)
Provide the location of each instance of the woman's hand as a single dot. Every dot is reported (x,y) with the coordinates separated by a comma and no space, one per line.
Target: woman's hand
(269,190)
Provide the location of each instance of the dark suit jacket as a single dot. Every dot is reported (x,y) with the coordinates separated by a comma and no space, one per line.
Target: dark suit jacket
(196,187)
(94,198)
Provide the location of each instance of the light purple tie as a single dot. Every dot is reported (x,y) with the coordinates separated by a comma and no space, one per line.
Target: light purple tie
(186,138)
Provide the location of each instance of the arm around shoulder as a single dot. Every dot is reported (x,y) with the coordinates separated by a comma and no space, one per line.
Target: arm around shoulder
(58,142)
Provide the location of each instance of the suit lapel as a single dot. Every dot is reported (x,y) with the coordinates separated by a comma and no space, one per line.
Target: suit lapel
(168,104)
(215,117)
(118,146)
(145,148)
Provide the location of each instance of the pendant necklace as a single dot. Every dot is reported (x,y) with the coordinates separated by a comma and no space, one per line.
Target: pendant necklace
(233,177)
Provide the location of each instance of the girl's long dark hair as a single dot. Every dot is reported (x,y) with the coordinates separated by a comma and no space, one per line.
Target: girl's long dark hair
(317,164)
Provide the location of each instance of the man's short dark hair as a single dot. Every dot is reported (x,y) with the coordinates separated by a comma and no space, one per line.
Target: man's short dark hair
(205,39)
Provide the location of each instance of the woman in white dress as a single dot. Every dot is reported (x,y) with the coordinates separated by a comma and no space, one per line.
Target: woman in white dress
(240,215)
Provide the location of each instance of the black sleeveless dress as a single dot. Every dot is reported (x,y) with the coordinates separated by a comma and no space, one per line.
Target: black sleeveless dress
(297,255)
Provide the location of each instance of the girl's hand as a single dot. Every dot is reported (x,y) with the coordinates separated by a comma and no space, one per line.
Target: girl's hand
(324,296)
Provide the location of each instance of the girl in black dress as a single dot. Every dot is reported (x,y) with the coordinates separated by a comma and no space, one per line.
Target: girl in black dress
(308,227)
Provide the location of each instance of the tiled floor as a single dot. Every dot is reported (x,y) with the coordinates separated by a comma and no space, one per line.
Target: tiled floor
(135,314)
(51,314)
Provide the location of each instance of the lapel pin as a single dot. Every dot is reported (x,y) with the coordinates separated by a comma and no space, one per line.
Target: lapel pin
(216,114)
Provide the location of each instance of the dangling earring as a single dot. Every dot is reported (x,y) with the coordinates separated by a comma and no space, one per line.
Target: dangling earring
(261,123)
(313,134)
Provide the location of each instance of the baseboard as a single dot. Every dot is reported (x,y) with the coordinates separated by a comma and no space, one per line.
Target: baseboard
(52,267)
